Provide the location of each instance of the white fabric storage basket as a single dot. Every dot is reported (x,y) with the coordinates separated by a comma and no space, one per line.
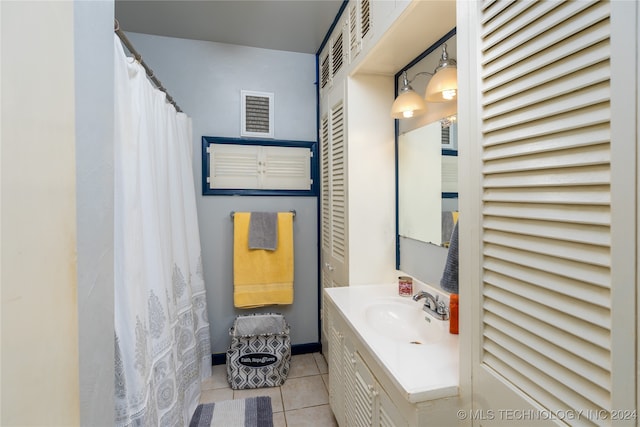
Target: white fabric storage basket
(260,351)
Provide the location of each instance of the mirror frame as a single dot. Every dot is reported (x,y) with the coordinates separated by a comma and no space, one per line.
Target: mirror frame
(397,77)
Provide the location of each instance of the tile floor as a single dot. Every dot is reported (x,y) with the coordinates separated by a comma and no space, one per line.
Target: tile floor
(303,400)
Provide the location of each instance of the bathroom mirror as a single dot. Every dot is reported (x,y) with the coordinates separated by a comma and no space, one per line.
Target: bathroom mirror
(427,174)
(427,182)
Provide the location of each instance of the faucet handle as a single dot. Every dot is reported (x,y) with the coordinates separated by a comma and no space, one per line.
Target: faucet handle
(441,307)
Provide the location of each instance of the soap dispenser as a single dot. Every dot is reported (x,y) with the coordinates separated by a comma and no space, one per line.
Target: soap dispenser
(453,314)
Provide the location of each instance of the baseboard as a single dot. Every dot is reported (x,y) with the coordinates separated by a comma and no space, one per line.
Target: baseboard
(312,347)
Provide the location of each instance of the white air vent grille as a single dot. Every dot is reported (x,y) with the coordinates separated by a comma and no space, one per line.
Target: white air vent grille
(257,114)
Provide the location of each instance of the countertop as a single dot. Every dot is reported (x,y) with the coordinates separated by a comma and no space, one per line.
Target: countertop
(421,371)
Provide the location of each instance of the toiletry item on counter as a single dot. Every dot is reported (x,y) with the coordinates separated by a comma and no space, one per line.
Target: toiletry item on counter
(405,286)
(453,313)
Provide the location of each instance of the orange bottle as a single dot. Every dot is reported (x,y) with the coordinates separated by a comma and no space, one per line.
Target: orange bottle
(453,313)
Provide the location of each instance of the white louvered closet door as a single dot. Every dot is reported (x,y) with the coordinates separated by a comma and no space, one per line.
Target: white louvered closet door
(333,159)
(553,276)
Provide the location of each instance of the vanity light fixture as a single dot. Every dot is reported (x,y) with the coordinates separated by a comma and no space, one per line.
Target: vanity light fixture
(408,103)
(443,87)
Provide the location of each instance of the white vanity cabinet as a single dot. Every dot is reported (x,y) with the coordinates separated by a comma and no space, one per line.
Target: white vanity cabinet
(355,395)
(375,380)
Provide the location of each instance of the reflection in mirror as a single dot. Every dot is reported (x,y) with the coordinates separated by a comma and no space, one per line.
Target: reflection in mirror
(427,174)
(428,183)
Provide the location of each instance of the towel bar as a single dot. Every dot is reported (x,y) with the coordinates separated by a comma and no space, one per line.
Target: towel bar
(293,211)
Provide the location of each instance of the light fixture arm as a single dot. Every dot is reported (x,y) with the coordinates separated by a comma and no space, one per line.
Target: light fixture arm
(445,61)
(406,82)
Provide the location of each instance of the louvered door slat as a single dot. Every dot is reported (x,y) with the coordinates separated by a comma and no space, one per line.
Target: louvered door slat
(566,104)
(550,361)
(548,298)
(589,116)
(598,195)
(337,53)
(596,175)
(542,280)
(581,348)
(492,10)
(589,135)
(584,271)
(578,369)
(354,31)
(338,183)
(576,324)
(522,13)
(365,17)
(595,235)
(528,376)
(571,214)
(325,70)
(325,180)
(518,372)
(596,255)
(558,160)
(552,41)
(535,31)
(528,86)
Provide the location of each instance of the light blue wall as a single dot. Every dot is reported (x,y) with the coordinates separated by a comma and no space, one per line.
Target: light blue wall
(93,38)
(205,79)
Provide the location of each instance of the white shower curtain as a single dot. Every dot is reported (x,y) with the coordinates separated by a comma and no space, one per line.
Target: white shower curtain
(162,331)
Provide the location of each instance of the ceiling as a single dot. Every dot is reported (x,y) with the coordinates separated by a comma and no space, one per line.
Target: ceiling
(289,25)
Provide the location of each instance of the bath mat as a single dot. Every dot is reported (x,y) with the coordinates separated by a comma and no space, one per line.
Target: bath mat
(250,412)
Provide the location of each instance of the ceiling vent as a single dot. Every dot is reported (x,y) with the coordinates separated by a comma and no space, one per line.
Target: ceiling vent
(257,114)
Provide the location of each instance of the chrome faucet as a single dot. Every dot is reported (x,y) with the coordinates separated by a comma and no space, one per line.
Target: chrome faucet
(433,305)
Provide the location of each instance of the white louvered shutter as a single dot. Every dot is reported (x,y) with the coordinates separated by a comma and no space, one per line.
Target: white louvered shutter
(337,51)
(234,166)
(355,38)
(552,337)
(338,181)
(255,167)
(325,71)
(333,163)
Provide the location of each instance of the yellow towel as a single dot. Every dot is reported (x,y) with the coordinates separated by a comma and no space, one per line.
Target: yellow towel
(262,277)
(455,214)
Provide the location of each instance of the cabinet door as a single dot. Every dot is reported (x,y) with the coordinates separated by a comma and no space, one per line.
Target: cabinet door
(336,377)
(360,392)
(388,414)
(551,269)
(359,23)
(333,160)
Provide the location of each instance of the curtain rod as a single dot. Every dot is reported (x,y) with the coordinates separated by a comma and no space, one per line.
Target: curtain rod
(138,57)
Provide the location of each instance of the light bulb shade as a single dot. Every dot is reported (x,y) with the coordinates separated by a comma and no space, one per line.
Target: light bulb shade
(443,86)
(408,104)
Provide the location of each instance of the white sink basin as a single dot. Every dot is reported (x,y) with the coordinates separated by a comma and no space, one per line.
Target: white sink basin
(403,320)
